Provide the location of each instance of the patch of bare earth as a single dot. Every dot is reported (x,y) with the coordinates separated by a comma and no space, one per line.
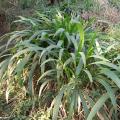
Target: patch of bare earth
(4,26)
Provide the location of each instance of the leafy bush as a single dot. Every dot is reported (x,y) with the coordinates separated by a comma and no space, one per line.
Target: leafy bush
(61,61)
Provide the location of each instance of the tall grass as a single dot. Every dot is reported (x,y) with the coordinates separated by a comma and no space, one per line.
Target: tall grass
(61,60)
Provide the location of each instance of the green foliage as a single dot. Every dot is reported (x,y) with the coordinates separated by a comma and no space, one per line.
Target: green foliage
(28,109)
(62,56)
(115,3)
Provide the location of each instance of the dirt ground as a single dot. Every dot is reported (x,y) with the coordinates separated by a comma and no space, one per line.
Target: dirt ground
(4,25)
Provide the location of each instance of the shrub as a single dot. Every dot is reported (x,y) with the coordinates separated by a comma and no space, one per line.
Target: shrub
(61,61)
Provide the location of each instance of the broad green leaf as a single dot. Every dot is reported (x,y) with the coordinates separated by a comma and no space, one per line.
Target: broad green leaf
(100,57)
(30,80)
(81,31)
(79,67)
(22,63)
(35,35)
(47,73)
(24,51)
(108,64)
(74,58)
(57,103)
(46,61)
(99,49)
(44,57)
(27,44)
(59,44)
(84,104)
(71,108)
(44,35)
(89,75)
(48,50)
(75,43)
(109,91)
(59,73)
(67,62)
(26,21)
(97,106)
(59,31)
(111,74)
(91,46)
(43,17)
(61,53)
(68,38)
(83,58)
(42,87)
(17,34)
(3,67)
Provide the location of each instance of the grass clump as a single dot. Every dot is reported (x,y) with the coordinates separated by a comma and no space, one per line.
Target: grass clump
(61,62)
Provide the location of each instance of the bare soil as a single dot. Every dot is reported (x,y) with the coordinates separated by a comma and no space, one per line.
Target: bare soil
(4,26)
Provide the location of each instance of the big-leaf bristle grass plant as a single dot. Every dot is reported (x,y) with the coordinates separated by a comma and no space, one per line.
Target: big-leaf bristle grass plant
(60,59)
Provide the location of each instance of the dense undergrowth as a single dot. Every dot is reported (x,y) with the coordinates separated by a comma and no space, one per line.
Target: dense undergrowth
(61,66)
